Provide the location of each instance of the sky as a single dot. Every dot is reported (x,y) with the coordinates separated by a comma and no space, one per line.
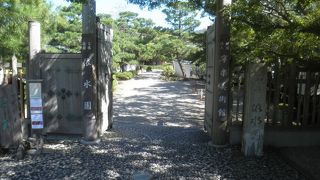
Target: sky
(113,7)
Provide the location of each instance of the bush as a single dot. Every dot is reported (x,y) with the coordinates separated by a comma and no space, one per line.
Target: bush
(114,82)
(134,72)
(149,69)
(168,73)
(153,67)
(125,75)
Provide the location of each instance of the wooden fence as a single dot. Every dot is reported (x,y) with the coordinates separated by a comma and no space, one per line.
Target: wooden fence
(12,104)
(293,96)
(237,95)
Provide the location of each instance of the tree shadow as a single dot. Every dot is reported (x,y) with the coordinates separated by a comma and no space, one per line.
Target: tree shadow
(158,130)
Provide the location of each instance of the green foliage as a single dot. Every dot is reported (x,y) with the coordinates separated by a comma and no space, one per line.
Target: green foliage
(159,67)
(149,69)
(125,38)
(275,30)
(14,17)
(169,74)
(198,55)
(138,41)
(207,6)
(106,19)
(134,72)
(125,75)
(182,19)
(78,1)
(267,30)
(114,82)
(168,71)
(67,35)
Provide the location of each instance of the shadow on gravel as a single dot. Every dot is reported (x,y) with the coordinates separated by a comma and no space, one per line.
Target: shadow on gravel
(160,131)
(306,159)
(120,158)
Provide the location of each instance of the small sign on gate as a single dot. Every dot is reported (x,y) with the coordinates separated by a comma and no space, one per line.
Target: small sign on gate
(36,104)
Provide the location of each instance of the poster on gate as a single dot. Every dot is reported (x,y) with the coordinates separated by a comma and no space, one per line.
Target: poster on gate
(37,121)
(36,107)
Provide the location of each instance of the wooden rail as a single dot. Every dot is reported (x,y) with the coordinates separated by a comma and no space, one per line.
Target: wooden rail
(293,96)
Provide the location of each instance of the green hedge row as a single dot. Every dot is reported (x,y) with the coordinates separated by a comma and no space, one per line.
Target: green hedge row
(153,67)
(122,76)
(125,75)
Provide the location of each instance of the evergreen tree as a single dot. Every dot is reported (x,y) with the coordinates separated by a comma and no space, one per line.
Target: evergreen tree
(182,19)
(67,35)
(14,17)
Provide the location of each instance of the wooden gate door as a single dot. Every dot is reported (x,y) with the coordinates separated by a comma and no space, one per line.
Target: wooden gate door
(61,75)
(208,124)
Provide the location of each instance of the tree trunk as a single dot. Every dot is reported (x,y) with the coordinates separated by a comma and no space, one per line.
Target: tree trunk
(122,67)
(180,65)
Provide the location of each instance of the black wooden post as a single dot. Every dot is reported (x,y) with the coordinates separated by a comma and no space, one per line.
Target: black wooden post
(89,56)
(221,76)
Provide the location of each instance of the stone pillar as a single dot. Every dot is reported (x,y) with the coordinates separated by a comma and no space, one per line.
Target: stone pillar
(34,49)
(14,66)
(254,110)
(221,67)
(89,66)
(104,80)
(34,39)
(1,71)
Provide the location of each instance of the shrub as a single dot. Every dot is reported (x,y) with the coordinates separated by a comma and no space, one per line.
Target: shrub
(134,72)
(149,69)
(153,67)
(114,82)
(168,73)
(125,75)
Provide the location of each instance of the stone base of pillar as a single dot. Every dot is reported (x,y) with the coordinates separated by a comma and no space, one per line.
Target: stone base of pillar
(92,142)
(211,144)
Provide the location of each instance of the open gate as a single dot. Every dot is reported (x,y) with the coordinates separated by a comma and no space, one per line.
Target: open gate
(63,85)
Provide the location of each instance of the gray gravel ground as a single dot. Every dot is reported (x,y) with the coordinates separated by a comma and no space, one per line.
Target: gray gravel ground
(158,131)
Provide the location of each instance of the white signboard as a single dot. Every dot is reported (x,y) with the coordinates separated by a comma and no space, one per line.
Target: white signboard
(37,121)
(35,102)
(36,105)
(35,90)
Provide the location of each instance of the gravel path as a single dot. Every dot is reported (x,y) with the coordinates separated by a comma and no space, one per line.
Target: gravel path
(158,133)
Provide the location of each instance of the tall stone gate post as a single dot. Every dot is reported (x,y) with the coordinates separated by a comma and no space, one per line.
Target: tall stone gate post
(221,77)
(1,71)
(254,110)
(89,63)
(34,44)
(34,49)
